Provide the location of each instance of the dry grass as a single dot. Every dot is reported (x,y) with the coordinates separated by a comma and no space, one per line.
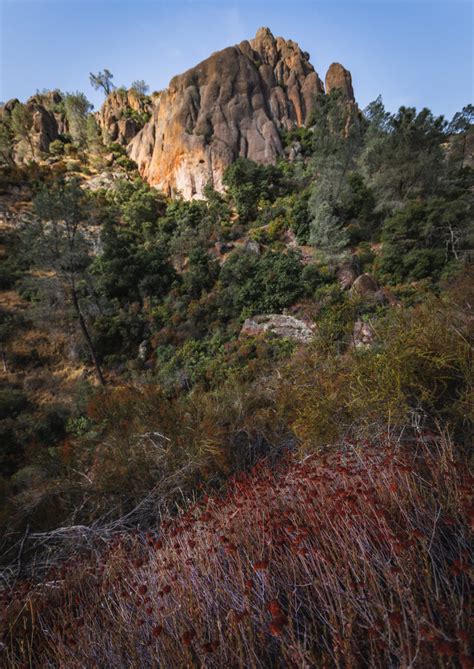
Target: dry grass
(349,560)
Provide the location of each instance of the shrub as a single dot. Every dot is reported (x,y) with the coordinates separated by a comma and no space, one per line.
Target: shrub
(418,373)
(263,284)
(56,148)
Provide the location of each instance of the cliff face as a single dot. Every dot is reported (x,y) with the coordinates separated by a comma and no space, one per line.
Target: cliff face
(231,105)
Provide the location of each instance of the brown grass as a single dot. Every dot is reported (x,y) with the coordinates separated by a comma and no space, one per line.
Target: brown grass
(353,559)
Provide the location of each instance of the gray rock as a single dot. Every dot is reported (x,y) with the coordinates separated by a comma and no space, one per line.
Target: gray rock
(143,350)
(280,325)
(346,274)
(363,334)
(365,286)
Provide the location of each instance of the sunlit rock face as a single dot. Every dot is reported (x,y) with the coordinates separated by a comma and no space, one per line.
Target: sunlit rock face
(234,104)
(338,77)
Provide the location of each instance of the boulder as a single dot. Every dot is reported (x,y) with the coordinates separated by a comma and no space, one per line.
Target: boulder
(280,325)
(346,275)
(363,334)
(251,246)
(365,286)
(143,350)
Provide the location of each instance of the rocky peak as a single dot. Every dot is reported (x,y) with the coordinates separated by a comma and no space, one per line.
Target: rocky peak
(233,104)
(338,77)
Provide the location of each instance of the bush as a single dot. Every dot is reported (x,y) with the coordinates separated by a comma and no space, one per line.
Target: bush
(263,284)
(418,373)
(56,148)
(10,272)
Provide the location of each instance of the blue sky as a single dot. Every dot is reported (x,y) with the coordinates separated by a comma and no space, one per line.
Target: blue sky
(412,52)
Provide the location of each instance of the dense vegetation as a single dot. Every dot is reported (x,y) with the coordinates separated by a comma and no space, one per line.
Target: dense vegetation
(144,297)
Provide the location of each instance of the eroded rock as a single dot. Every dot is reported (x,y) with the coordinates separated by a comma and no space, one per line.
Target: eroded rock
(123,115)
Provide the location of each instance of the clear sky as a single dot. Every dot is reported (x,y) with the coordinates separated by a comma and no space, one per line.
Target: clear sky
(412,52)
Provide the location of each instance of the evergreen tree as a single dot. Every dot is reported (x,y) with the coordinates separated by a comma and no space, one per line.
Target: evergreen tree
(102,80)
(22,125)
(77,108)
(59,240)
(403,155)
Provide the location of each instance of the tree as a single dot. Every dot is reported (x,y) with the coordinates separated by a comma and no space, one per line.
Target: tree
(77,108)
(337,141)
(326,230)
(421,239)
(22,125)
(93,134)
(131,268)
(403,155)
(102,80)
(140,87)
(248,182)
(459,128)
(6,144)
(59,239)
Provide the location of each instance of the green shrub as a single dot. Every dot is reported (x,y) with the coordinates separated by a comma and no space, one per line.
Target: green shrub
(56,148)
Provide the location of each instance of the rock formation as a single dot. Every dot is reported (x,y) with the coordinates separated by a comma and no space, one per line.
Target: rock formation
(48,122)
(338,77)
(279,325)
(123,115)
(234,104)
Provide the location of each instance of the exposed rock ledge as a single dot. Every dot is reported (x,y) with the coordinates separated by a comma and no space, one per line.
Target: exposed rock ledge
(279,325)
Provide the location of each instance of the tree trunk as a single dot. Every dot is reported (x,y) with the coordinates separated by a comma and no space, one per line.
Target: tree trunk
(87,336)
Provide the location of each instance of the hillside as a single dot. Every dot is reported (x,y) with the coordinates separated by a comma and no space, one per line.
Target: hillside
(236,409)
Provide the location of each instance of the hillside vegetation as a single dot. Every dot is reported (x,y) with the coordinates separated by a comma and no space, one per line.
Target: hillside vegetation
(182,486)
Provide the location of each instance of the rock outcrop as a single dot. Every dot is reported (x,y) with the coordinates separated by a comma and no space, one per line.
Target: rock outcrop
(234,104)
(338,77)
(122,115)
(365,286)
(48,123)
(279,325)
(363,334)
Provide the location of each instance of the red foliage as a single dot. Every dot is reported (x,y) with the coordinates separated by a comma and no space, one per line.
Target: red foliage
(355,559)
